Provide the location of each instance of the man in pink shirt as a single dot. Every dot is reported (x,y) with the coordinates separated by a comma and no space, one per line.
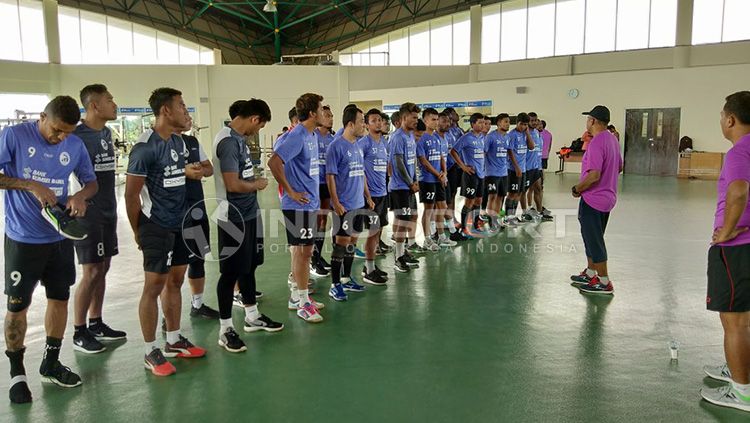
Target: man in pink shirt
(729,259)
(597,189)
(546,145)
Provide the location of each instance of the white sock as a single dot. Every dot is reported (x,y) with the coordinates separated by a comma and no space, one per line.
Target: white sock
(197,300)
(224,324)
(370,264)
(150,346)
(399,249)
(295,293)
(604,280)
(173,337)
(304,296)
(743,390)
(252,313)
(590,273)
(433,227)
(451,227)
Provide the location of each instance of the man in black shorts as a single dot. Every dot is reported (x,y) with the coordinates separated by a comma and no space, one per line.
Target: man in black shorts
(319,266)
(496,182)
(729,259)
(239,221)
(37,158)
(376,167)
(345,173)
(519,144)
(96,251)
(468,152)
(432,184)
(155,203)
(294,164)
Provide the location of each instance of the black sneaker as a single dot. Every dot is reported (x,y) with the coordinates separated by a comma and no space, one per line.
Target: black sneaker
(204,311)
(527,217)
(380,251)
(411,261)
(64,223)
(102,332)
(263,323)
(237,300)
(383,274)
(458,236)
(231,341)
(375,278)
(85,342)
(324,264)
(59,375)
(258,295)
(385,247)
(547,218)
(401,265)
(317,269)
(19,392)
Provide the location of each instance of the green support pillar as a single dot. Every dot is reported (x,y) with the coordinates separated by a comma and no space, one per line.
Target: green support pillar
(276,36)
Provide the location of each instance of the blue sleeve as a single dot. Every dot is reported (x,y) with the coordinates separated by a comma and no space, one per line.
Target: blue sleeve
(364,145)
(84,169)
(228,155)
(332,159)
(459,144)
(420,149)
(139,160)
(7,146)
(488,143)
(288,148)
(399,147)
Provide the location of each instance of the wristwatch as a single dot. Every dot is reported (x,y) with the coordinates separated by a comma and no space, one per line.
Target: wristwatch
(574,190)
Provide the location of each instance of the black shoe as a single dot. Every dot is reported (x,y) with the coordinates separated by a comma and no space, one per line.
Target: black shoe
(258,295)
(383,274)
(547,218)
(458,236)
(237,300)
(317,269)
(527,217)
(19,392)
(323,263)
(63,222)
(380,251)
(375,278)
(401,265)
(204,311)
(411,261)
(263,323)
(231,341)
(85,342)
(102,332)
(163,325)
(59,375)
(385,247)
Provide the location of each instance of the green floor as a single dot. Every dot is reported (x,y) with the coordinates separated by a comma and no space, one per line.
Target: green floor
(490,331)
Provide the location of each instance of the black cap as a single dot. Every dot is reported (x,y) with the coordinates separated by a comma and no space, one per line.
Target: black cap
(600,113)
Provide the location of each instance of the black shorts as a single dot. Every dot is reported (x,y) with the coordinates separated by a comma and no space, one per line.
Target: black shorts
(300,226)
(240,246)
(100,244)
(515,184)
(544,163)
(454,182)
(472,186)
(431,192)
(350,224)
(532,176)
(593,225)
(27,264)
(162,248)
(729,279)
(325,194)
(496,185)
(197,235)
(403,204)
(379,217)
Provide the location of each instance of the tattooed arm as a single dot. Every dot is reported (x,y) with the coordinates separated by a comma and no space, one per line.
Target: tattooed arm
(40,192)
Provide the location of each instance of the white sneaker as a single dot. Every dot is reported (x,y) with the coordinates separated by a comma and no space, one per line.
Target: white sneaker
(718,372)
(725,396)
(294,305)
(309,313)
(430,245)
(443,241)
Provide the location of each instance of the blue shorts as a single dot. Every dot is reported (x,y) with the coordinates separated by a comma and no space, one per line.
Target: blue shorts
(593,224)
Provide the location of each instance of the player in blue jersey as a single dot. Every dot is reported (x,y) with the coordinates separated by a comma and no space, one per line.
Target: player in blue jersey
(350,199)
(37,159)
(155,203)
(294,164)
(520,144)
(96,251)
(376,167)
(534,163)
(496,182)
(403,184)
(468,152)
(319,266)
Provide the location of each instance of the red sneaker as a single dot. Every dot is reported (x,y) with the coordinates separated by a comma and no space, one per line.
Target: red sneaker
(183,349)
(158,365)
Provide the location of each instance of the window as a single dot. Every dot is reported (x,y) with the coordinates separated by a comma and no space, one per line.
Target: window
(663,30)
(22,31)
(633,20)
(29,103)
(491,34)
(461,39)
(707,21)
(419,45)
(398,47)
(513,30)
(569,26)
(441,41)
(379,51)
(541,30)
(601,21)
(91,38)
(736,26)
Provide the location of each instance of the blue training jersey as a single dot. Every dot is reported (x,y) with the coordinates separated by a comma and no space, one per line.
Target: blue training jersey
(298,149)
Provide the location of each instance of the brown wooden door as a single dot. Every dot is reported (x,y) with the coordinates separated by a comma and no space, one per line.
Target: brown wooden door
(652,141)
